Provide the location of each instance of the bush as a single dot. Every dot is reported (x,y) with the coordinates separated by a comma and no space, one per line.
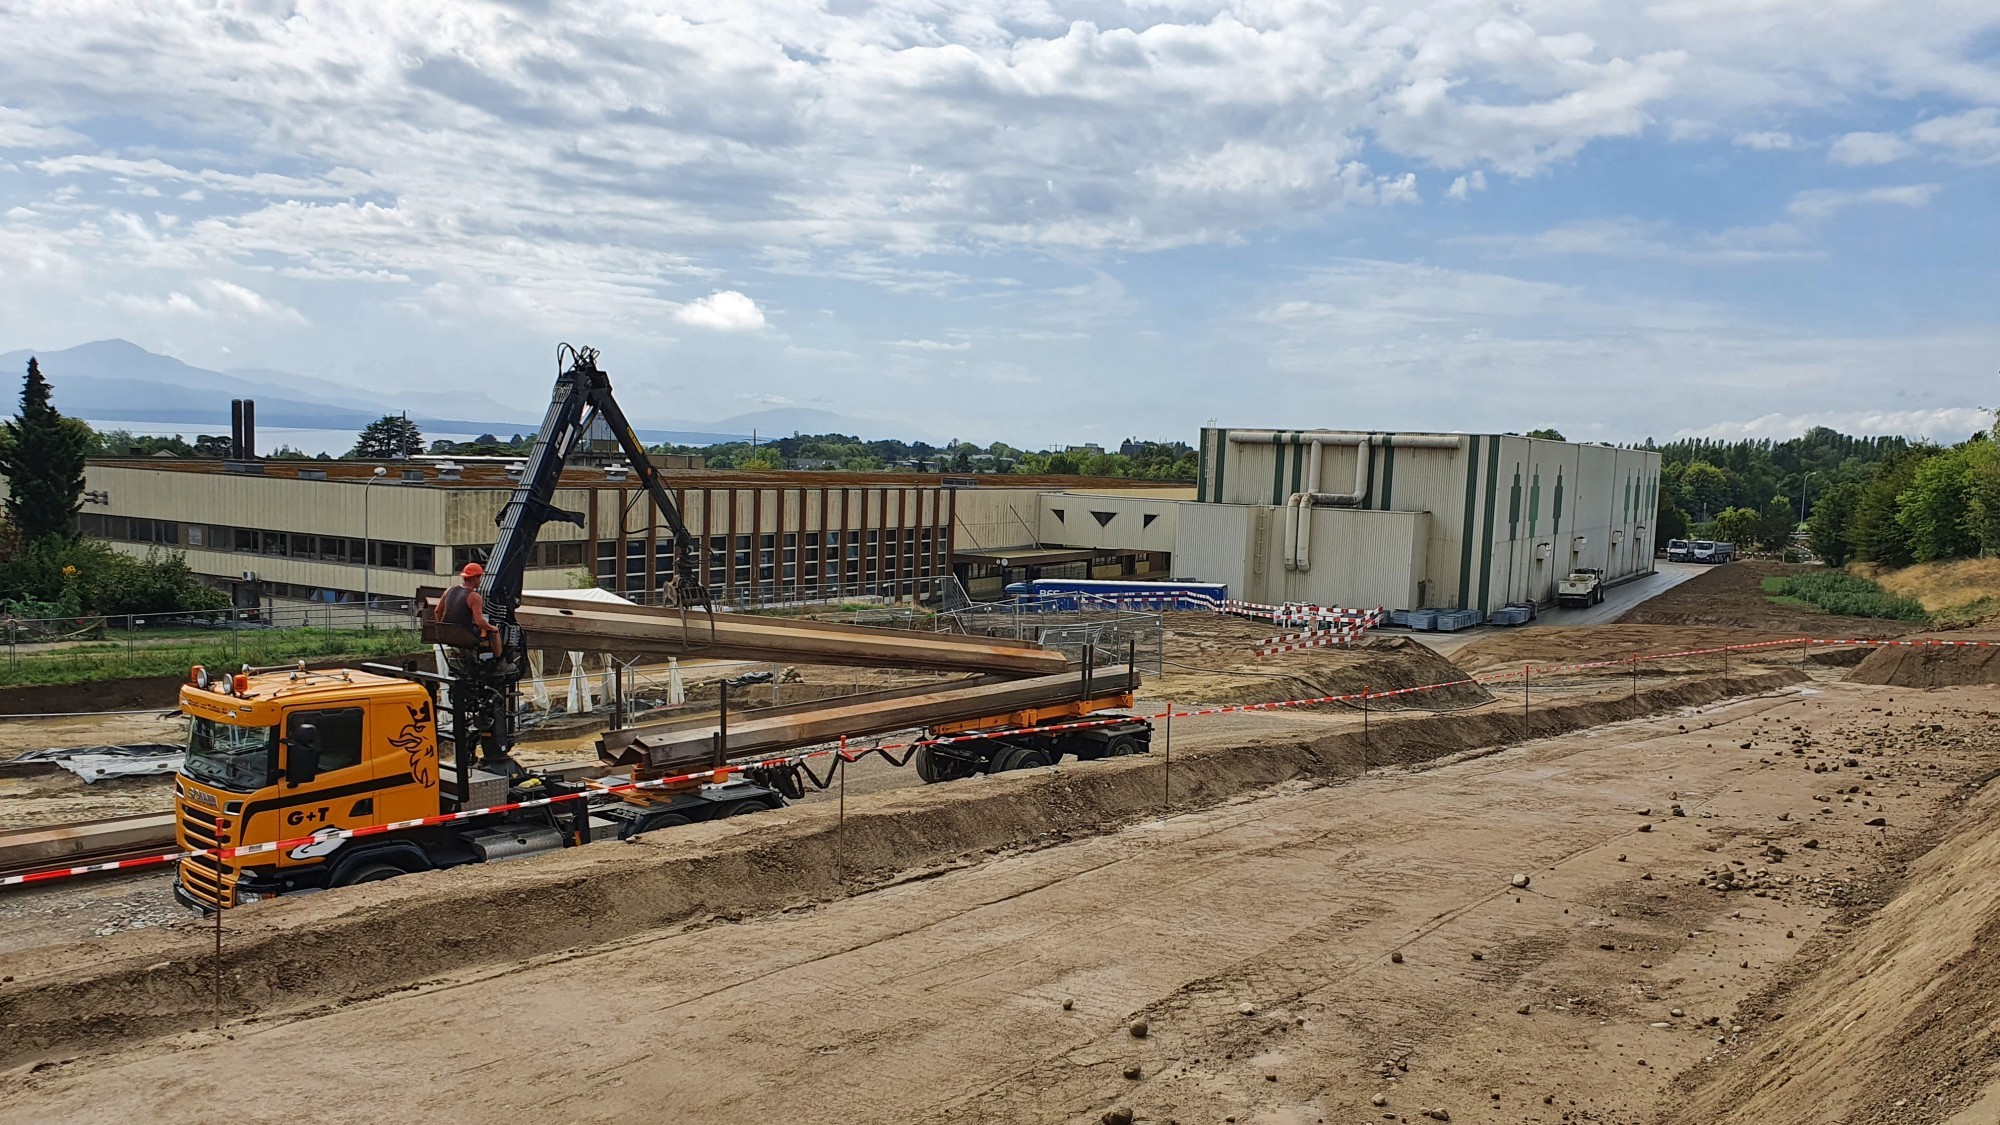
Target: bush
(1849,596)
(57,577)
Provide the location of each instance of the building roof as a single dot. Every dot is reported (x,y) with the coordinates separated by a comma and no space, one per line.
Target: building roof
(490,475)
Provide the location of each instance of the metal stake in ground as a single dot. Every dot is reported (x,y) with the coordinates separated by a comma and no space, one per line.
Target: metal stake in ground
(1169,742)
(218,962)
(1527,723)
(1635,675)
(1364,728)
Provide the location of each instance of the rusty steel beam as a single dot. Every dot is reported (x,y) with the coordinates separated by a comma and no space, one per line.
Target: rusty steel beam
(557,623)
(763,733)
(87,841)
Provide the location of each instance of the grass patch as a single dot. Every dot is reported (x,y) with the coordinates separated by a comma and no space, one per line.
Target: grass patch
(1846,595)
(94,662)
(1964,616)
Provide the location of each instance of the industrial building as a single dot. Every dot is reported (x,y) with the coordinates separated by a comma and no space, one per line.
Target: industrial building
(1450,521)
(339,531)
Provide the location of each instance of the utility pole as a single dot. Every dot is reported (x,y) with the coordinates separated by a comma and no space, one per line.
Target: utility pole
(367,553)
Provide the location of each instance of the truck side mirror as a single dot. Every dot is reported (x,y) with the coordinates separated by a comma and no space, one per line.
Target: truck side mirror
(302,755)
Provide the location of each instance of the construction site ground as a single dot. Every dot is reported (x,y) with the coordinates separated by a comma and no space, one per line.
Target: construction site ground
(1304,921)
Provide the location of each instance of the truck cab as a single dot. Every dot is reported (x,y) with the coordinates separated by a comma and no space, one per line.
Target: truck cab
(1677,550)
(296,754)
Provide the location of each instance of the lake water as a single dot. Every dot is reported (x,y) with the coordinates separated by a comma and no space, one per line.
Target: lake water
(269,438)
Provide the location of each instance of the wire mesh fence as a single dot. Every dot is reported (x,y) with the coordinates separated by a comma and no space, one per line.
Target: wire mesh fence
(1076,624)
(93,648)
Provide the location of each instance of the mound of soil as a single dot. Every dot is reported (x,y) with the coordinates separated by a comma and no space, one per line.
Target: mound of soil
(1733,595)
(1928,666)
(1541,645)
(1211,660)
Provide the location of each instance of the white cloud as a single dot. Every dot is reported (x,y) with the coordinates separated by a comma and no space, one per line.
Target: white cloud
(931,345)
(1942,424)
(722,311)
(1857,149)
(1767,141)
(1465,185)
(1501,352)
(1822,204)
(21,129)
(1972,137)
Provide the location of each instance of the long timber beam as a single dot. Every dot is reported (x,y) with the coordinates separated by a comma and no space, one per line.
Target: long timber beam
(557,623)
(762,733)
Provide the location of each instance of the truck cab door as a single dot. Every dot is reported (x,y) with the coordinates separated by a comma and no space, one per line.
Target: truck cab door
(326,778)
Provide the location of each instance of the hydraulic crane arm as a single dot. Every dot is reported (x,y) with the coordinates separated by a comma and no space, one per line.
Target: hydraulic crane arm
(582,395)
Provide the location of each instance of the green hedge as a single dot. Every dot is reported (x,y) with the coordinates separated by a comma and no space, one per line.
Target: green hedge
(28,665)
(1849,596)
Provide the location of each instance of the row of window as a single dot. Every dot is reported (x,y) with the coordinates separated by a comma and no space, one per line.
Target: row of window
(542,556)
(255,541)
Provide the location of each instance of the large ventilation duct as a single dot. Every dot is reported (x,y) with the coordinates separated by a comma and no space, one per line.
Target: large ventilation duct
(1299,505)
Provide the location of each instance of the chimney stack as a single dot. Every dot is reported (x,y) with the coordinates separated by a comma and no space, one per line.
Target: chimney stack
(236,429)
(249,430)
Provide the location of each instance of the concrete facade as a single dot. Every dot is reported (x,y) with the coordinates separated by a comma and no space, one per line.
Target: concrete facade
(304,528)
(1449,521)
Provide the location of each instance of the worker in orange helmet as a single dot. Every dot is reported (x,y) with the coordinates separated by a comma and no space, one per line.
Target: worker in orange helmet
(463,606)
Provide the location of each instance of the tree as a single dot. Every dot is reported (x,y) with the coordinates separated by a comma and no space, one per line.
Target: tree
(1831,526)
(764,457)
(42,458)
(390,436)
(1669,522)
(1776,523)
(1736,525)
(1706,486)
(1548,433)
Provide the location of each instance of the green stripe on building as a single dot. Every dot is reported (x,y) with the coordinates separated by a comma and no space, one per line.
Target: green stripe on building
(1388,469)
(1486,542)
(1278,470)
(1298,460)
(1465,538)
(1201,467)
(1221,461)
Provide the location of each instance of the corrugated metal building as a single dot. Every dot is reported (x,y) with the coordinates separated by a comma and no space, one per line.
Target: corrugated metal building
(1451,521)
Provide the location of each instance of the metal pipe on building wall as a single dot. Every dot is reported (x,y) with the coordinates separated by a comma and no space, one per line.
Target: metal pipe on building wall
(1299,505)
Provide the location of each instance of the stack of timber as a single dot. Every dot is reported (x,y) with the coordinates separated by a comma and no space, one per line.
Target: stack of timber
(762,733)
(632,630)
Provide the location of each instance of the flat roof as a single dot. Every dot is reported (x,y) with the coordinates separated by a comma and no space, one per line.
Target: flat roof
(491,475)
(1034,556)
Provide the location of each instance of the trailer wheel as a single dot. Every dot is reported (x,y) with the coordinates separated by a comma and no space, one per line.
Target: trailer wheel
(1018,758)
(934,767)
(1122,745)
(371,873)
(632,828)
(742,808)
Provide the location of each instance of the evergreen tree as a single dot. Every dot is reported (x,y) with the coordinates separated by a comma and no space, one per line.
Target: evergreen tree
(42,459)
(390,436)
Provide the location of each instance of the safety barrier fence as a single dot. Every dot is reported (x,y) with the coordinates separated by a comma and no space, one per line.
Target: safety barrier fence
(846,754)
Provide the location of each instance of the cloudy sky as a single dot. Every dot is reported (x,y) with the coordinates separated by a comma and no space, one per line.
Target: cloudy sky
(1034,220)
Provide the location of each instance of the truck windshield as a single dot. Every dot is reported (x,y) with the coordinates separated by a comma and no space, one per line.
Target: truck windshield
(239,759)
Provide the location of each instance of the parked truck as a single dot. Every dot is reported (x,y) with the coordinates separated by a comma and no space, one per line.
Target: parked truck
(307,757)
(1710,551)
(1677,550)
(1581,587)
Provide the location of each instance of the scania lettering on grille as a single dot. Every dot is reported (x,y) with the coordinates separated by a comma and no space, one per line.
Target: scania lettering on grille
(203,798)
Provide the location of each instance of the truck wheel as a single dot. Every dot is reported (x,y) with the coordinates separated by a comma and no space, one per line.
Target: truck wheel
(370,873)
(929,769)
(1122,745)
(741,808)
(632,828)
(1018,758)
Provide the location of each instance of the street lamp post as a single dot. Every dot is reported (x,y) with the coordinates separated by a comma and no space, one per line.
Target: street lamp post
(367,554)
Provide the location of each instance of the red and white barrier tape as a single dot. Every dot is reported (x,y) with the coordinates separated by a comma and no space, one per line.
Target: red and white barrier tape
(851,754)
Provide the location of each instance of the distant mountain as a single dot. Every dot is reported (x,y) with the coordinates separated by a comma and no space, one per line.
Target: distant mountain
(784,421)
(121,381)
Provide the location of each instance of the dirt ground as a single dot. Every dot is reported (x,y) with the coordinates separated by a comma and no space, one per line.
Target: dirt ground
(1293,955)
(1732,596)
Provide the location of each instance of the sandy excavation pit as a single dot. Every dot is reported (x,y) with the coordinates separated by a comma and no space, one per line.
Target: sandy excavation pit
(810,970)
(1256,933)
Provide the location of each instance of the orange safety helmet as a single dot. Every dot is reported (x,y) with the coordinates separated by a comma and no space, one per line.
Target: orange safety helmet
(472,570)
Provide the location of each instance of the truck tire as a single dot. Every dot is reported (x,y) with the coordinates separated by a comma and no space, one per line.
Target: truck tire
(628,829)
(1018,758)
(1123,744)
(369,873)
(934,765)
(742,808)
